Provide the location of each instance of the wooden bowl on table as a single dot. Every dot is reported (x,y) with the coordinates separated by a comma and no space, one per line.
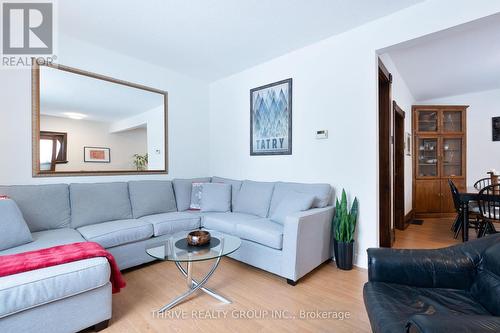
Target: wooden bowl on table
(198,238)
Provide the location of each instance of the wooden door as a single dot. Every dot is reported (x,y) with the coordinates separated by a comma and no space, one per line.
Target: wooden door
(385,181)
(427,196)
(399,167)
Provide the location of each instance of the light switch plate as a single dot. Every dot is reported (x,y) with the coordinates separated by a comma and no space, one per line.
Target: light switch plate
(322,134)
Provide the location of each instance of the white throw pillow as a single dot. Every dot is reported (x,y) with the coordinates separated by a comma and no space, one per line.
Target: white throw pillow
(196,193)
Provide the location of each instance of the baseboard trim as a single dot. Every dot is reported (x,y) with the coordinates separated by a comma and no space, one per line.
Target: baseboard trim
(434,215)
(408,218)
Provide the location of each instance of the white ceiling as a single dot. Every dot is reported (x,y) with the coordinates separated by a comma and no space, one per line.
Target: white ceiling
(456,61)
(211,39)
(63,92)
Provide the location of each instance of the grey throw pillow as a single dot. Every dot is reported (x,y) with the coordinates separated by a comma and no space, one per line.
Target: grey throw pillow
(254,198)
(13,228)
(150,197)
(216,198)
(293,202)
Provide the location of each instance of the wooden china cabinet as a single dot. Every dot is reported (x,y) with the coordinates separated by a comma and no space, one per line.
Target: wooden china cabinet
(439,154)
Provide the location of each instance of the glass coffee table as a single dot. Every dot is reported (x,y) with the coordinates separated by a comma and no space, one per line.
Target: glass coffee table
(176,249)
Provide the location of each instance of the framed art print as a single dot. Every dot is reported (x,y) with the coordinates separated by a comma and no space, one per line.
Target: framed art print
(495,127)
(271,119)
(408,144)
(96,155)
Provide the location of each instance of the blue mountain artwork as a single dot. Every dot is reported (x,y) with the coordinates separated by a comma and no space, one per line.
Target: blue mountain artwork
(270,119)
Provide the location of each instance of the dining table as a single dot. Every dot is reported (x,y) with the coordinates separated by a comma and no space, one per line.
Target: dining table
(471,194)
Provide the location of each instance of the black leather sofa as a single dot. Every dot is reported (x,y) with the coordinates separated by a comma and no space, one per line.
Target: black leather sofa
(454,289)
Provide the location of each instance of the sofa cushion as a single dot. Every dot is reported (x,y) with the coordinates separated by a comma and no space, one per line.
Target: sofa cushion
(182,190)
(13,228)
(254,198)
(322,193)
(99,202)
(225,222)
(235,187)
(26,290)
(293,202)
(47,238)
(262,231)
(169,223)
(114,233)
(151,197)
(389,306)
(216,197)
(486,286)
(44,207)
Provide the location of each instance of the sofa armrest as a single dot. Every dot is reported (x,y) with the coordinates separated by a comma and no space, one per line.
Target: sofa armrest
(439,268)
(453,323)
(306,241)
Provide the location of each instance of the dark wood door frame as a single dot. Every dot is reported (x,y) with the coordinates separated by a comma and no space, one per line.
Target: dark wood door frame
(399,167)
(385,186)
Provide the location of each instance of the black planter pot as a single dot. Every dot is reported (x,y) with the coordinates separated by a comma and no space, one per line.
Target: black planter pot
(335,250)
(343,254)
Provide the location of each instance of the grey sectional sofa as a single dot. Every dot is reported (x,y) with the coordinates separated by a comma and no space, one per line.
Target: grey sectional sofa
(126,217)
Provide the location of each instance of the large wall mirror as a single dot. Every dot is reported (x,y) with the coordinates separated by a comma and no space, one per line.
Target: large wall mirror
(89,124)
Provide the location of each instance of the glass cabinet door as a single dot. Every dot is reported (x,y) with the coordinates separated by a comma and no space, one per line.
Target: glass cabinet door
(452,157)
(452,121)
(427,121)
(427,157)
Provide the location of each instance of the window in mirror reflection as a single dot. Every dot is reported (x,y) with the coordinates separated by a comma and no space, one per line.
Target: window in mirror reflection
(52,150)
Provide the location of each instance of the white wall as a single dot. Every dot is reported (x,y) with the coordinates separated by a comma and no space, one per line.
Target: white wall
(87,133)
(402,95)
(187,108)
(154,120)
(483,154)
(334,88)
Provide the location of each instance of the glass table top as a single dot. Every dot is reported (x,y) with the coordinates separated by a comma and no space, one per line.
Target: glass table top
(176,248)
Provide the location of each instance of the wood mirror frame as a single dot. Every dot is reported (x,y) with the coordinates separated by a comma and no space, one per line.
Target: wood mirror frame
(35,122)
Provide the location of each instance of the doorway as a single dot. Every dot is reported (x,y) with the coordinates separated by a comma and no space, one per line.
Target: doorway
(386,213)
(399,167)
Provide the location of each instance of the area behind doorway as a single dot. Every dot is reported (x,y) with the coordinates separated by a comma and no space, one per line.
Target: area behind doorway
(391,161)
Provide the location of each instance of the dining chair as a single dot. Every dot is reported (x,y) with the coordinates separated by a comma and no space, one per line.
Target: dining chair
(473,212)
(489,206)
(482,183)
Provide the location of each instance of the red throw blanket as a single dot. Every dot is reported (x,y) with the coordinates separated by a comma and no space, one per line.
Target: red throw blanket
(52,256)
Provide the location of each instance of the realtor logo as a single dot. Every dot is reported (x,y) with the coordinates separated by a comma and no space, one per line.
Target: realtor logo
(27,28)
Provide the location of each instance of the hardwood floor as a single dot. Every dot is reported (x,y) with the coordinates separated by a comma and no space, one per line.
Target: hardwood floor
(253,292)
(432,234)
(257,294)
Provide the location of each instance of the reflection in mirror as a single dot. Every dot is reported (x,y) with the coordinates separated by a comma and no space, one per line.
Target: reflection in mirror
(52,150)
(94,124)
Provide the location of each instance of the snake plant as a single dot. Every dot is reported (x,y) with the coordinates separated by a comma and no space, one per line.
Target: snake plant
(344,221)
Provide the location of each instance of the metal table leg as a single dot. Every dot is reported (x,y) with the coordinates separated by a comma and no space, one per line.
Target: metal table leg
(194,285)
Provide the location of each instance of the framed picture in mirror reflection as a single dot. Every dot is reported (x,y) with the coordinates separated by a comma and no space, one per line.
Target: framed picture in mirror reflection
(96,155)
